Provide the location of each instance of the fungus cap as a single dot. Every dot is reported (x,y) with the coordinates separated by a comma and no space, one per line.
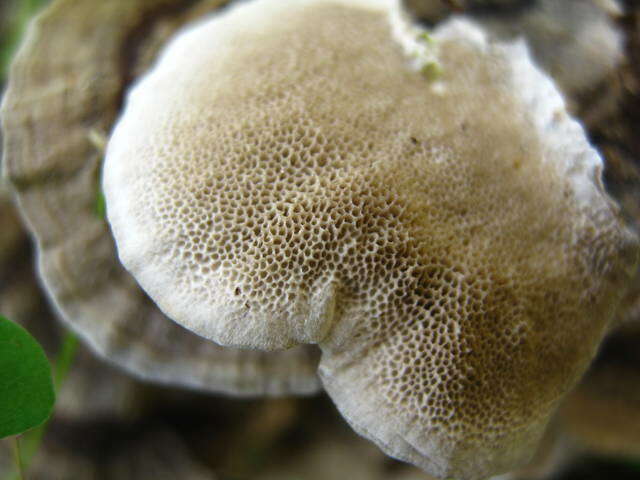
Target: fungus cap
(444,242)
(64,86)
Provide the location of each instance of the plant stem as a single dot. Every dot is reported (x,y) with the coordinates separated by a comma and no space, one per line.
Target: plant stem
(18,457)
(65,359)
(33,437)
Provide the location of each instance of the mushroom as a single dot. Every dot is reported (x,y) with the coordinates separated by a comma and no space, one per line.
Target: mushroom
(447,243)
(54,108)
(576,41)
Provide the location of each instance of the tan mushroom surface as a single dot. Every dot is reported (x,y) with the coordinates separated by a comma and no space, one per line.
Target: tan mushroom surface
(591,48)
(56,106)
(444,242)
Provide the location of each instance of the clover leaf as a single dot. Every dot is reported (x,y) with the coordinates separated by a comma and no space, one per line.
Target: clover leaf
(26,387)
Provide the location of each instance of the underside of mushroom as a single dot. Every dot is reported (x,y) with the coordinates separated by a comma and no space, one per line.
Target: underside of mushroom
(291,174)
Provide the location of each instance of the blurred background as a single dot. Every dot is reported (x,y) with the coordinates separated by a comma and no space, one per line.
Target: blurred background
(109,425)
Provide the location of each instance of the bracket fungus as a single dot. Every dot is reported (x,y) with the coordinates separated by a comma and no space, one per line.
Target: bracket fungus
(286,175)
(53,105)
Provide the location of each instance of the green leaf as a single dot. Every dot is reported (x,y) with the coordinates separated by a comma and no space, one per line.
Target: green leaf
(26,388)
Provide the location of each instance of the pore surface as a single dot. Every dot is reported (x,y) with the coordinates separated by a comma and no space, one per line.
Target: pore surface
(447,244)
